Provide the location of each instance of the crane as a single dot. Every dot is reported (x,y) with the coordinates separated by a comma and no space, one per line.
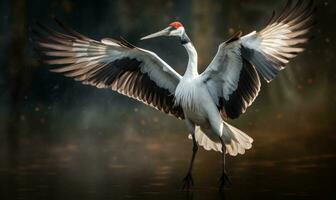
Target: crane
(205,101)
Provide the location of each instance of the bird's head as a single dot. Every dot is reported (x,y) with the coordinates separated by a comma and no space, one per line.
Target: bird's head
(174,29)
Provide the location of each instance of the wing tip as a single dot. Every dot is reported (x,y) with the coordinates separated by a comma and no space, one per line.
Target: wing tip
(236,36)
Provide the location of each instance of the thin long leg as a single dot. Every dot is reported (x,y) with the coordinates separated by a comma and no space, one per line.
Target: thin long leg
(188,180)
(194,150)
(224,179)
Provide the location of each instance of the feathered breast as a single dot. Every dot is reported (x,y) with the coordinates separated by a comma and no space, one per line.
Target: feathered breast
(186,95)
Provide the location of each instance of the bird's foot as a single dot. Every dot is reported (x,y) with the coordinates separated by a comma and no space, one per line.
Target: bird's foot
(187,182)
(224,181)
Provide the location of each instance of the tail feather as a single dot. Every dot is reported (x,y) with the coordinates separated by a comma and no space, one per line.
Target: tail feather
(237,135)
(203,140)
(236,141)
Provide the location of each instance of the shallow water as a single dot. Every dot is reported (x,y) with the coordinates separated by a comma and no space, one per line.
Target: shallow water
(153,165)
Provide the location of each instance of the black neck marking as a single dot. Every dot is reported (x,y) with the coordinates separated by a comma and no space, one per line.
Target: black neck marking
(185,39)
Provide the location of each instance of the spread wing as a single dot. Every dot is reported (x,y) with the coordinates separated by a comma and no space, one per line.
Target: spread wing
(232,76)
(131,71)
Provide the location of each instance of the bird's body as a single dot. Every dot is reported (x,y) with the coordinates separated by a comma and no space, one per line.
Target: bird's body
(196,102)
(227,87)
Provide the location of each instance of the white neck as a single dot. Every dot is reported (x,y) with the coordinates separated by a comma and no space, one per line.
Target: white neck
(192,62)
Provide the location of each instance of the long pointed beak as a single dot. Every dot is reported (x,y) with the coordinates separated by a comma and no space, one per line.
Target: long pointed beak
(164,32)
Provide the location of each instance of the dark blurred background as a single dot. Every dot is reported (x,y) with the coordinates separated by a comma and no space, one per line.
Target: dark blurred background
(63,140)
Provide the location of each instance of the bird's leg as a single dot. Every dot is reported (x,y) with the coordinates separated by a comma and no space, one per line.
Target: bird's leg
(224,179)
(188,180)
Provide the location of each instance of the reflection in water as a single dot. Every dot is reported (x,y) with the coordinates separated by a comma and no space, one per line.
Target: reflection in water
(73,169)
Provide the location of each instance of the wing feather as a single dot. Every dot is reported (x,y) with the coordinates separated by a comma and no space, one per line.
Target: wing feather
(232,76)
(131,71)
(271,49)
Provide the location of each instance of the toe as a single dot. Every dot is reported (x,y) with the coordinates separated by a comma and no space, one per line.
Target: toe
(187,182)
(224,181)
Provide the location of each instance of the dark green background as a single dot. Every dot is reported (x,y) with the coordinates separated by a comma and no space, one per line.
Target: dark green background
(62,140)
